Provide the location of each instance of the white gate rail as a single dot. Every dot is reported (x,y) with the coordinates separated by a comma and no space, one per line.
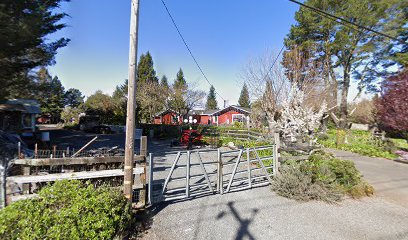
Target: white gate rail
(257,171)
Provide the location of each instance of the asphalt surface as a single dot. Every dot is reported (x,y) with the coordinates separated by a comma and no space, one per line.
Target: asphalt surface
(389,178)
(260,214)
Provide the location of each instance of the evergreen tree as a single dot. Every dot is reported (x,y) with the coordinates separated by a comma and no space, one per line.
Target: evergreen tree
(211,99)
(164,82)
(50,94)
(180,81)
(339,46)
(145,69)
(180,87)
(119,99)
(73,98)
(244,97)
(25,26)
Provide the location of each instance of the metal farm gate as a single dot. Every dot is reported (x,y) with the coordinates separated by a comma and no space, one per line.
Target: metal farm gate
(189,174)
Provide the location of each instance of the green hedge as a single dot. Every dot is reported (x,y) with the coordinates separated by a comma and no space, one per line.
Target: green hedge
(67,210)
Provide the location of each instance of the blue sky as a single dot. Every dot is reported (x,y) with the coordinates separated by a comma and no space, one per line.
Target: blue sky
(223,35)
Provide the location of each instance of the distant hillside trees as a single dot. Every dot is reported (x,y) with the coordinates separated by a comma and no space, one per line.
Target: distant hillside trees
(211,99)
(244,97)
(25,45)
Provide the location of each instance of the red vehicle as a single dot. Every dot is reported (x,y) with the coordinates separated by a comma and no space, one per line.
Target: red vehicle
(190,136)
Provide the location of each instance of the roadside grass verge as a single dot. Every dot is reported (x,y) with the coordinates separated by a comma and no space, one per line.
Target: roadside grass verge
(360,142)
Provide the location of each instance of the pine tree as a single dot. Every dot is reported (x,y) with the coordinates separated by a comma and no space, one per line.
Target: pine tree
(145,69)
(164,82)
(341,47)
(25,45)
(180,81)
(51,94)
(211,99)
(244,97)
(180,88)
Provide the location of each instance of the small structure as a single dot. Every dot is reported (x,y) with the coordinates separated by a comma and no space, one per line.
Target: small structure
(168,117)
(19,115)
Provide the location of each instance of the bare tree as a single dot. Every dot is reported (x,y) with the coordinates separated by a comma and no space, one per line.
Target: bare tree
(268,87)
(193,97)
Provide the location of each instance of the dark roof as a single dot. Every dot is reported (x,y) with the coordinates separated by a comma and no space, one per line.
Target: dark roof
(12,108)
(31,106)
(165,112)
(237,108)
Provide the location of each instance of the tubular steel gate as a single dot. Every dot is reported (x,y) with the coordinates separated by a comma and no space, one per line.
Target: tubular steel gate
(188,174)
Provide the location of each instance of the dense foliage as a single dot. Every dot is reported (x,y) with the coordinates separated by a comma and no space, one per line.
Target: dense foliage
(322,177)
(24,31)
(350,50)
(393,103)
(67,210)
(358,141)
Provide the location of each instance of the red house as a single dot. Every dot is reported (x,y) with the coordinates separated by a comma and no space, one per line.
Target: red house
(225,116)
(168,117)
(231,114)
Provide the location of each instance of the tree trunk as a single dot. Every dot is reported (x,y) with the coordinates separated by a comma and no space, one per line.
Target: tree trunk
(344,94)
(334,86)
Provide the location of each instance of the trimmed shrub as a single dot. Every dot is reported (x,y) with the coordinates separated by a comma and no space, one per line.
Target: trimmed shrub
(322,177)
(67,210)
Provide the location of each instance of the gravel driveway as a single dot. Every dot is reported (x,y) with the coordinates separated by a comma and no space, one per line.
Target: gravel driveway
(261,214)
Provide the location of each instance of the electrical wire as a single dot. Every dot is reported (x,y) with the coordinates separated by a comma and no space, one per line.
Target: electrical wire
(188,48)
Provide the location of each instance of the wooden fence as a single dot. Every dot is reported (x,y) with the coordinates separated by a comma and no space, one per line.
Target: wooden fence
(30,175)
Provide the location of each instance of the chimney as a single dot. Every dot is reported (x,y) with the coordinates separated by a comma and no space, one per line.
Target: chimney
(226,103)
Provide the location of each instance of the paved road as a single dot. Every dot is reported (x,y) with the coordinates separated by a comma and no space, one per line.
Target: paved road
(389,178)
(261,214)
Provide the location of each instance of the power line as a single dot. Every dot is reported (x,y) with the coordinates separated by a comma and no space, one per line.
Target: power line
(331,16)
(276,59)
(188,48)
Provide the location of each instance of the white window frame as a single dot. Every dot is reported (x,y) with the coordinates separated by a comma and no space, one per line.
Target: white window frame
(238,114)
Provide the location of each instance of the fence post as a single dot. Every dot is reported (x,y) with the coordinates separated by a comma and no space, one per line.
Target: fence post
(19,149)
(220,174)
(276,154)
(26,186)
(3,177)
(143,146)
(150,190)
(188,174)
(249,169)
(35,150)
(54,151)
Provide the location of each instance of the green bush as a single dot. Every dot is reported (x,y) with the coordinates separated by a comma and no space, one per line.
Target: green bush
(321,177)
(360,142)
(67,210)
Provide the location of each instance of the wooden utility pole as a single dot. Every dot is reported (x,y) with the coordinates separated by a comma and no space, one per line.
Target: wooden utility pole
(131,103)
